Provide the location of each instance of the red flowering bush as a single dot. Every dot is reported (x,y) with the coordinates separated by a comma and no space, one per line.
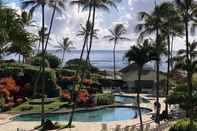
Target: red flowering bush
(83,96)
(8,88)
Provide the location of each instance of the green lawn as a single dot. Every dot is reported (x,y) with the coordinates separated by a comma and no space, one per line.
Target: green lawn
(49,106)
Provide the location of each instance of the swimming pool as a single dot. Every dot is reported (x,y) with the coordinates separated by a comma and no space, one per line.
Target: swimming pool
(128,99)
(100,115)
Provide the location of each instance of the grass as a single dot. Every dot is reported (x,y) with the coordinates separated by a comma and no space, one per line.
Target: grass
(27,107)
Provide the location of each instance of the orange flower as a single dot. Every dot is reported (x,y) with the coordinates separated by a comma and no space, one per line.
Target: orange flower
(87,82)
(66,94)
(83,96)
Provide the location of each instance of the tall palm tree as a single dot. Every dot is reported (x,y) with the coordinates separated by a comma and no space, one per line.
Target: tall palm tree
(172,26)
(187,8)
(98,4)
(85,31)
(34,4)
(139,55)
(91,5)
(152,24)
(64,46)
(116,35)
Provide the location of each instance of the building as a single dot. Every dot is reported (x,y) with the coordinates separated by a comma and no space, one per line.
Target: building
(148,78)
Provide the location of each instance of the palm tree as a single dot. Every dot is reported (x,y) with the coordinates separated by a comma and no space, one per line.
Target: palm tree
(91,5)
(64,46)
(116,35)
(34,5)
(139,55)
(152,23)
(98,4)
(85,31)
(172,26)
(187,8)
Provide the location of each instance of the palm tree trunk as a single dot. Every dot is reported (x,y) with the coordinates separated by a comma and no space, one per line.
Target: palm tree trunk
(19,58)
(43,68)
(50,27)
(138,97)
(157,78)
(92,31)
(77,73)
(171,53)
(38,50)
(114,58)
(168,75)
(63,54)
(189,74)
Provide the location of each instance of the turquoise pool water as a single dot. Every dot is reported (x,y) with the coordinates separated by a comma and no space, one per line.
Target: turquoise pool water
(128,99)
(100,115)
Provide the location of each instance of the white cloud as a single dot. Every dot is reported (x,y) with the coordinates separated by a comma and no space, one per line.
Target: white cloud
(68,23)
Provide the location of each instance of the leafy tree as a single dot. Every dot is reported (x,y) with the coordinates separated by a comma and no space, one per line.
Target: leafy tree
(52,60)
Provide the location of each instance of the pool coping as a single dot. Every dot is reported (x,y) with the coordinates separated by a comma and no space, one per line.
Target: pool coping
(91,109)
(86,109)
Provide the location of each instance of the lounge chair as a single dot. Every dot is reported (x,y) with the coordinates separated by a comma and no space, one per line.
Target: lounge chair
(126,128)
(132,128)
(104,127)
(117,128)
(147,127)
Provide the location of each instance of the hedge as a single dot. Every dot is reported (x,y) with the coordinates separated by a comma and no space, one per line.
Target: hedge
(32,71)
(104,99)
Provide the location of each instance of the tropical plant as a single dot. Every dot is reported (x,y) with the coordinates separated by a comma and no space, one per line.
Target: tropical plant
(116,35)
(22,44)
(152,23)
(172,27)
(64,46)
(34,5)
(187,9)
(50,60)
(85,30)
(91,6)
(140,55)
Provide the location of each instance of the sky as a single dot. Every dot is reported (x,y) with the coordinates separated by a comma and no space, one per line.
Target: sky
(68,23)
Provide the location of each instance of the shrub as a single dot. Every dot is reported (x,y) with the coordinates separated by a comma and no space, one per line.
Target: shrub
(64,72)
(31,74)
(53,60)
(104,99)
(183,125)
(37,62)
(74,64)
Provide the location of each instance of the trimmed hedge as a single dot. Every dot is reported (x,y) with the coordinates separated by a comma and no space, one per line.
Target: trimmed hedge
(74,65)
(32,71)
(64,72)
(104,99)
(183,125)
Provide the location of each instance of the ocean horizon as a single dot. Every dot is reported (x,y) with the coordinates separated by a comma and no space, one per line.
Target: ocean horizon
(102,59)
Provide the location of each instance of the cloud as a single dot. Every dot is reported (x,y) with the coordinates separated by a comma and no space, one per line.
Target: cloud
(68,23)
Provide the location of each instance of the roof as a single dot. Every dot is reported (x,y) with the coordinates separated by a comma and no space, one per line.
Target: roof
(133,67)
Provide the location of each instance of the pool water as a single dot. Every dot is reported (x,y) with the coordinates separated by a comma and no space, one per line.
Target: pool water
(100,115)
(128,99)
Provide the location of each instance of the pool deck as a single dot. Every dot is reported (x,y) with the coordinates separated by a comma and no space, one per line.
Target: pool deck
(7,125)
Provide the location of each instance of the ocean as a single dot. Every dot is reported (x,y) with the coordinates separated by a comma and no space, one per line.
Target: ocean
(103,59)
